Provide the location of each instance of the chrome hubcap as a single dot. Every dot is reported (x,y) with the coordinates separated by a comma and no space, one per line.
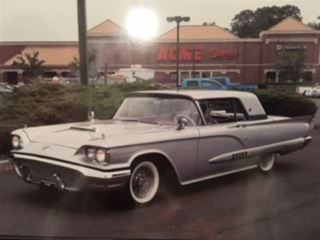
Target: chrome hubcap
(266,162)
(142,182)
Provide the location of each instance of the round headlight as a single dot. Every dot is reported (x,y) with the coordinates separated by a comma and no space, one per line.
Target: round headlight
(90,152)
(16,142)
(101,155)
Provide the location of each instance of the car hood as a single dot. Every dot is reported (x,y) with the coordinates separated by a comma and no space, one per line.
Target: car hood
(106,134)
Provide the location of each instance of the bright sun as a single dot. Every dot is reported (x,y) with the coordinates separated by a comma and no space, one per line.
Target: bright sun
(142,23)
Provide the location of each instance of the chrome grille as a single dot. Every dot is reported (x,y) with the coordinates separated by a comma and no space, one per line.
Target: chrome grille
(44,172)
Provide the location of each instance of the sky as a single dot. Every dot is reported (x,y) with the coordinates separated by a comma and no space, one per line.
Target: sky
(56,20)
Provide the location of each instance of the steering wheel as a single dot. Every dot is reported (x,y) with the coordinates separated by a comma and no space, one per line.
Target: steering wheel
(189,119)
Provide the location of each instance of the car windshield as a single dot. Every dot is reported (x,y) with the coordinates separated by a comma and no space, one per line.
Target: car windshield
(158,110)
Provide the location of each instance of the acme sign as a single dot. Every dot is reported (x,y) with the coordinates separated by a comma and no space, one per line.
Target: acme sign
(196,54)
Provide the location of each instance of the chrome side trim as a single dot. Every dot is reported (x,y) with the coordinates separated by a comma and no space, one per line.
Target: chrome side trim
(308,140)
(85,171)
(280,147)
(219,175)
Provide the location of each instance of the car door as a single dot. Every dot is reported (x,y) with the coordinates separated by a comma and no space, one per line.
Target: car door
(222,140)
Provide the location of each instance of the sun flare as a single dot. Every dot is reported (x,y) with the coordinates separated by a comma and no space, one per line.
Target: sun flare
(142,23)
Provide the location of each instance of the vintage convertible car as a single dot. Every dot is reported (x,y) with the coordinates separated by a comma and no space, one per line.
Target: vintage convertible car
(197,134)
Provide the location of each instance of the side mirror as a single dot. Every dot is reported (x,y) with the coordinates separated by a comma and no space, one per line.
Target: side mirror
(182,122)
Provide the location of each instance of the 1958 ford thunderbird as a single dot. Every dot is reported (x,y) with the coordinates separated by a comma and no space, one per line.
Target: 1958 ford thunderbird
(197,134)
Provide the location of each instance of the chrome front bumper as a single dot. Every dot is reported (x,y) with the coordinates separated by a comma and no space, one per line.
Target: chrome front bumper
(67,176)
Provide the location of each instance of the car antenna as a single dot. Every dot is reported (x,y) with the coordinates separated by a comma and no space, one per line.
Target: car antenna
(90,112)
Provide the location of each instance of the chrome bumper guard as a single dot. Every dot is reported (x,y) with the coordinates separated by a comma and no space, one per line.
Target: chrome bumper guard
(66,176)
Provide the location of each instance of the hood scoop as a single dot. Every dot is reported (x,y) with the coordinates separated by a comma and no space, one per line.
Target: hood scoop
(88,129)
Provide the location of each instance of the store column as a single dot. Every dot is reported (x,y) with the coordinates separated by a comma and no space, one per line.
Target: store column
(20,76)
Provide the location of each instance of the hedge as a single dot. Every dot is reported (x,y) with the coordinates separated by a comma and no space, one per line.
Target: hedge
(286,103)
(42,104)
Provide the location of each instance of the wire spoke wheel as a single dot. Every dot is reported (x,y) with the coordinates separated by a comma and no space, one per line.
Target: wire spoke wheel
(144,182)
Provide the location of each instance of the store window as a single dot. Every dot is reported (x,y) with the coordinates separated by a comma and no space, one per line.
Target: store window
(205,74)
(173,76)
(185,75)
(271,76)
(195,74)
(11,77)
(216,74)
(67,74)
(50,74)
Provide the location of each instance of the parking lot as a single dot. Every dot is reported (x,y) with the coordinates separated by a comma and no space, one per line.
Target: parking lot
(249,205)
(283,204)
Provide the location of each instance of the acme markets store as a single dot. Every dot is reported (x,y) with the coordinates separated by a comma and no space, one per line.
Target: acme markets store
(205,51)
(217,52)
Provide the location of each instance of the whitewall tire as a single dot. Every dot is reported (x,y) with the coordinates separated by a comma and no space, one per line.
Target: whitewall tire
(144,182)
(266,162)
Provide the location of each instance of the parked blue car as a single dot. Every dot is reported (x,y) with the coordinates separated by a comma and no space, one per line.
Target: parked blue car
(226,82)
(202,83)
(216,83)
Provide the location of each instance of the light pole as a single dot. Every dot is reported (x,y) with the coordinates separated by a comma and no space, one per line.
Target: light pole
(178,20)
(82,32)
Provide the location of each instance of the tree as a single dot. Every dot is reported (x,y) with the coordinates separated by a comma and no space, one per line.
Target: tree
(30,64)
(315,25)
(209,23)
(248,23)
(92,65)
(291,65)
(75,66)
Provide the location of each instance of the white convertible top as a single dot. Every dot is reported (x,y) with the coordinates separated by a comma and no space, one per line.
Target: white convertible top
(249,100)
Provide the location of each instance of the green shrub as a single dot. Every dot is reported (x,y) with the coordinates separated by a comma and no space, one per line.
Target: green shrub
(43,104)
(285,103)
(5,138)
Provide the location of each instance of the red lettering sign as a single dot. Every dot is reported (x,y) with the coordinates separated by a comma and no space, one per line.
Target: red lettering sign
(216,53)
(190,53)
(185,54)
(167,54)
(172,54)
(162,54)
(198,54)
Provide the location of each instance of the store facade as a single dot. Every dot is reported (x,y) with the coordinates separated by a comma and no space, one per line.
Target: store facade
(243,60)
(205,51)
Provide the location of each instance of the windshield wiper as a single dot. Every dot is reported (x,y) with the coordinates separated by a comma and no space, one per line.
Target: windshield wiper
(135,120)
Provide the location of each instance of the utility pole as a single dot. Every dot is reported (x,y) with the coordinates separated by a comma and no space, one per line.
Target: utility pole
(82,33)
(178,20)
(105,73)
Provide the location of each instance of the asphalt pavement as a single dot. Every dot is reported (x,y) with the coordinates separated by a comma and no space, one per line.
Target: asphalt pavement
(283,204)
(249,205)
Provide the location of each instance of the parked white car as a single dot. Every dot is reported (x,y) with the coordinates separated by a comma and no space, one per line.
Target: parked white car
(309,91)
(197,134)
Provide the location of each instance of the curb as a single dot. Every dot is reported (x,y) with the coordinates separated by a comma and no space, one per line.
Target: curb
(5,165)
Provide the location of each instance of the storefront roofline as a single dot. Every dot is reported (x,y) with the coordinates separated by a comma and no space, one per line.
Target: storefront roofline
(288,32)
(36,43)
(212,41)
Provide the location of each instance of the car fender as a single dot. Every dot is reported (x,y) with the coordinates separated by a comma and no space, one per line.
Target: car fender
(154,151)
